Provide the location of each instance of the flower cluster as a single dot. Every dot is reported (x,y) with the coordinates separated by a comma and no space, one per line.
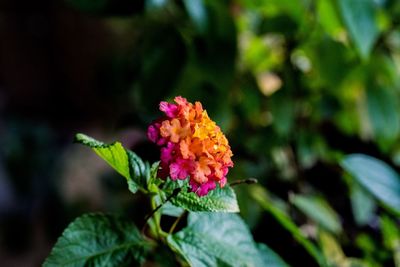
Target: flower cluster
(192,146)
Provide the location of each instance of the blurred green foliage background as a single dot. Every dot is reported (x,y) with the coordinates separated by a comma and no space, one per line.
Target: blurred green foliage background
(294,84)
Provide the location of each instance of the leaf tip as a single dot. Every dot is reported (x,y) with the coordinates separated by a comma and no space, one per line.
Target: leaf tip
(80,137)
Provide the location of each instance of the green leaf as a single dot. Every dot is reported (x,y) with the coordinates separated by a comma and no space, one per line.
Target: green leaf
(334,253)
(319,211)
(124,161)
(362,204)
(219,239)
(260,195)
(328,17)
(153,180)
(217,200)
(295,9)
(139,172)
(375,176)
(269,257)
(391,232)
(332,250)
(354,262)
(114,154)
(359,18)
(283,110)
(155,4)
(198,13)
(99,240)
(391,237)
(332,69)
(383,113)
(171,210)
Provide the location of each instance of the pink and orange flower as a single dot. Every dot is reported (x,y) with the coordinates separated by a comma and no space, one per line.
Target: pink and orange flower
(192,146)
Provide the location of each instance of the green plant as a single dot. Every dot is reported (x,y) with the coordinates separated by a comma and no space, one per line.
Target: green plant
(190,182)
(213,236)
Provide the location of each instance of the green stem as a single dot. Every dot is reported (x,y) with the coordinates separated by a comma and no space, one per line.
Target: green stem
(171,230)
(244,181)
(155,217)
(156,208)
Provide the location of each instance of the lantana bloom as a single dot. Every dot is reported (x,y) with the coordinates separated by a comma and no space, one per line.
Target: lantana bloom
(192,146)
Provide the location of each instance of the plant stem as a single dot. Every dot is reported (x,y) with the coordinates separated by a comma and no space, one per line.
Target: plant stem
(171,230)
(155,224)
(244,181)
(155,218)
(155,209)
